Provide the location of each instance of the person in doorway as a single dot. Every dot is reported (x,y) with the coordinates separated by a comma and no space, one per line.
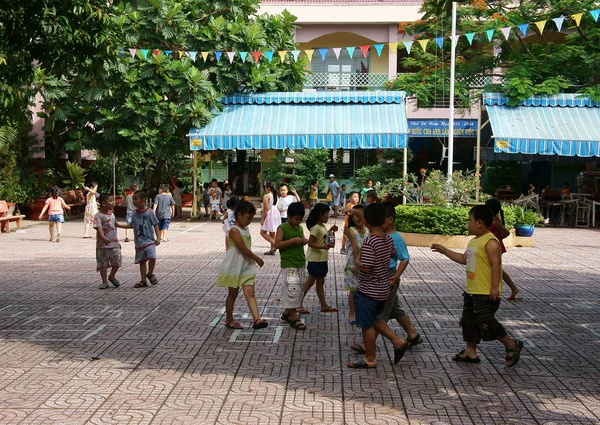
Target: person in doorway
(333,188)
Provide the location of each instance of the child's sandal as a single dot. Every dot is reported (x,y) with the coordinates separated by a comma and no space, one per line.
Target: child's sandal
(115,282)
(141,284)
(298,325)
(152,278)
(513,355)
(103,286)
(260,324)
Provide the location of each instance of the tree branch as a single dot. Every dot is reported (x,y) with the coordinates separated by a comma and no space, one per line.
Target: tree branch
(524,46)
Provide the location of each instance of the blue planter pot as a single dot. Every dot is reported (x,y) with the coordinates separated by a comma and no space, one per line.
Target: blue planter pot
(524,229)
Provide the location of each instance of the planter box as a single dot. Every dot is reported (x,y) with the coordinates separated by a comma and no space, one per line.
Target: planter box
(459,241)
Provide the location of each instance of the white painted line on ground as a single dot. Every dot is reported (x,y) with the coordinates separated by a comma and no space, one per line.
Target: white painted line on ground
(31,320)
(9,306)
(278,332)
(18,313)
(437,326)
(53,308)
(586,327)
(94,332)
(193,227)
(527,342)
(529,314)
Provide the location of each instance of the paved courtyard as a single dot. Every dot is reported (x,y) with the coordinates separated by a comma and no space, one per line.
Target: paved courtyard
(72,354)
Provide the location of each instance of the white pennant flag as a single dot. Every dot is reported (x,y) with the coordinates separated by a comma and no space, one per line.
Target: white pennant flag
(230,55)
(506,32)
(132,52)
(337,51)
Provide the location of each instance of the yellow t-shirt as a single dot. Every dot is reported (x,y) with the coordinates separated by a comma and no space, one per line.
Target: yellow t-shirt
(318,255)
(479,270)
(313,193)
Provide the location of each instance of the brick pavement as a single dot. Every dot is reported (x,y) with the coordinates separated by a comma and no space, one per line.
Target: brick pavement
(72,354)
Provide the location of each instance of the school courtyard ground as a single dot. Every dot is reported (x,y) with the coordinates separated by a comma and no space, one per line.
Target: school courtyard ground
(73,354)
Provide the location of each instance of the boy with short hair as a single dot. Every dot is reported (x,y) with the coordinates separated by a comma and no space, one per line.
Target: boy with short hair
(373,289)
(342,198)
(290,241)
(370,197)
(145,226)
(164,208)
(483,259)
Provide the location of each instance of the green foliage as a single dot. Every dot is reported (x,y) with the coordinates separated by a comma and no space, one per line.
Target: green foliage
(523,216)
(77,175)
(432,220)
(499,174)
(276,171)
(101,171)
(391,164)
(309,165)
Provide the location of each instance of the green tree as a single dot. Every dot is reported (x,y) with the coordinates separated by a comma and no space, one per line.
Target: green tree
(545,62)
(309,165)
(390,167)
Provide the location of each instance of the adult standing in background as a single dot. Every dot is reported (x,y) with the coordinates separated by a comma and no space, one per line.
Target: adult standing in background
(333,188)
(364,190)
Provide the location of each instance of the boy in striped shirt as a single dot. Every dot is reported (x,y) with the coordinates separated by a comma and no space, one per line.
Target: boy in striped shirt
(374,288)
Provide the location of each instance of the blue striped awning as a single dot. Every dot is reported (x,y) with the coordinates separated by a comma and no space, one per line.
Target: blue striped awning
(565,124)
(330,120)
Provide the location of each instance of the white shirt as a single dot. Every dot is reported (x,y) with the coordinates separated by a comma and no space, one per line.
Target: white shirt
(284,203)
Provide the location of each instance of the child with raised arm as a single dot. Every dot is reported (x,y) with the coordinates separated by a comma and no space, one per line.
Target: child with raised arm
(290,241)
(483,259)
(146,236)
(374,288)
(319,244)
(108,248)
(285,200)
(497,228)
(238,269)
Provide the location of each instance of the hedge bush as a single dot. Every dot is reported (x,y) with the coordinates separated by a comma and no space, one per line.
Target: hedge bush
(438,220)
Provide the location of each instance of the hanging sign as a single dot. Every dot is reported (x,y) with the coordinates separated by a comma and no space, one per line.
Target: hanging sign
(439,128)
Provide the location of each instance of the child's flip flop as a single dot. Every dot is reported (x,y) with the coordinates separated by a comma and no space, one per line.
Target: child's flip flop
(360,364)
(115,282)
(233,325)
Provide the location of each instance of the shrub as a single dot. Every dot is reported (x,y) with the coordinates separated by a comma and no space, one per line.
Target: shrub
(432,220)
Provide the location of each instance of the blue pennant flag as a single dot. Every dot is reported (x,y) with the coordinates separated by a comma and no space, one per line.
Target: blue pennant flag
(144,52)
(439,41)
(408,45)
(168,52)
(243,56)
(295,54)
(470,37)
(490,34)
(559,22)
(595,14)
(523,29)
(323,53)
(218,55)
(350,50)
(269,56)
(193,55)
(378,48)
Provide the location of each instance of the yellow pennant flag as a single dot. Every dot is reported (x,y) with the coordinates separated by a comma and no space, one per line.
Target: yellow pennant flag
(540,25)
(423,44)
(309,54)
(393,48)
(282,54)
(204,56)
(577,18)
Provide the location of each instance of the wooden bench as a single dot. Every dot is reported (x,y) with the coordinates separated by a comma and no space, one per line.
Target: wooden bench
(5,219)
(77,209)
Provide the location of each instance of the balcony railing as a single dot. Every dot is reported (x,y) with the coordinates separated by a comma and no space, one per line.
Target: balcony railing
(348,80)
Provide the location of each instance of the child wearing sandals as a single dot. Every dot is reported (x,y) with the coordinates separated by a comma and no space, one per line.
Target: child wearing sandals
(108,248)
(483,290)
(238,269)
(146,236)
(497,228)
(319,244)
(356,235)
(374,288)
(290,242)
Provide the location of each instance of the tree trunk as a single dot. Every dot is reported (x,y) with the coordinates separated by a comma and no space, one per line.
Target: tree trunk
(157,176)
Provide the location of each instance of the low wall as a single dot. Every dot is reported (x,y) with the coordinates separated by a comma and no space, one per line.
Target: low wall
(425,240)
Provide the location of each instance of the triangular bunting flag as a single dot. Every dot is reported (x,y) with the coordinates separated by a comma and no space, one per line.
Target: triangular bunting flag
(256,56)
(540,26)
(523,29)
(243,56)
(577,18)
(168,52)
(364,50)
(218,56)
(337,51)
(309,54)
(205,56)
(423,44)
(323,53)
(121,52)
(144,52)
(282,54)
(454,40)
(269,55)
(230,55)
(439,41)
(132,52)
(408,45)
(350,50)
(295,54)
(193,55)
(378,49)
(156,52)
(470,37)
(595,14)
(559,22)
(393,48)
(506,32)
(490,34)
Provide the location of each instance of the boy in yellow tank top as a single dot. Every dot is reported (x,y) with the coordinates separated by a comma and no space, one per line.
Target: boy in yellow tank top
(482,292)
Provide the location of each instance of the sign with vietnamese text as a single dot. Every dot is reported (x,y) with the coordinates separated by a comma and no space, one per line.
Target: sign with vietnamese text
(439,128)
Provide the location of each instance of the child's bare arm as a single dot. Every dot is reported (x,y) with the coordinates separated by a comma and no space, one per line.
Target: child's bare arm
(100,235)
(460,258)
(494,254)
(401,267)
(312,242)
(354,244)
(500,227)
(122,225)
(157,233)
(236,237)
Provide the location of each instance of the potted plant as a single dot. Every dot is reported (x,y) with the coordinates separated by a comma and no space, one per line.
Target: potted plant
(525,220)
(76,178)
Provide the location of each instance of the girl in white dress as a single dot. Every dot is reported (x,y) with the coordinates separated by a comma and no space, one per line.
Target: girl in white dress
(238,269)
(271,219)
(91,208)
